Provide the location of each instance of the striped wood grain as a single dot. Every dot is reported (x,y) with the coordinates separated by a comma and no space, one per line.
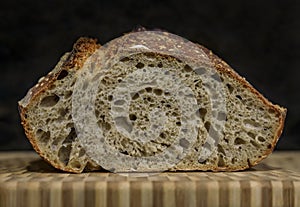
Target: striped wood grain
(25,180)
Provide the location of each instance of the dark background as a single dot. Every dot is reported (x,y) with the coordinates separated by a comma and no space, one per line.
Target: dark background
(260,40)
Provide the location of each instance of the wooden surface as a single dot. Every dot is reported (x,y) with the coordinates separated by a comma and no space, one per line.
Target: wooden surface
(26,180)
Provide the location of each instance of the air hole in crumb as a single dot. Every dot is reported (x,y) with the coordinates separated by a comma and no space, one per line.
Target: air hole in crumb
(72,83)
(233,160)
(124,59)
(251,123)
(216,77)
(52,86)
(124,123)
(200,71)
(202,113)
(43,136)
(221,162)
(178,123)
(132,117)
(81,152)
(71,136)
(250,134)
(221,150)
(230,88)
(62,74)
(64,154)
(187,68)
(106,126)
(249,163)
(109,97)
(157,91)
(125,152)
(165,145)
(201,161)
(103,81)
(149,89)
(184,143)
(269,146)
(76,164)
(239,141)
(271,111)
(119,102)
(140,65)
(97,113)
(207,126)
(68,94)
(135,96)
(162,135)
(174,113)
(239,97)
(150,99)
(255,144)
(63,112)
(261,139)
(160,65)
(151,65)
(49,101)
(70,125)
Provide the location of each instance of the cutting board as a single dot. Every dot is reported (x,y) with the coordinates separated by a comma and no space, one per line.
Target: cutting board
(26,180)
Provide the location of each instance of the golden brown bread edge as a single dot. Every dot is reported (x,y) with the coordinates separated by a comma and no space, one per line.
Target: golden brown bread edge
(82,49)
(85,47)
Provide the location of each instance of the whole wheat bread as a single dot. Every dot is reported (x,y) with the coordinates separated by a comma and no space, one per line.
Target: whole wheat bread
(234,137)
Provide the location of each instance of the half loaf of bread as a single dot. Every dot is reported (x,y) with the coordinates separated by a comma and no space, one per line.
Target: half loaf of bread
(148,101)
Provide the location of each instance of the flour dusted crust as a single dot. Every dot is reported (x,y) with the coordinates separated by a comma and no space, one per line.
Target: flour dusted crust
(73,62)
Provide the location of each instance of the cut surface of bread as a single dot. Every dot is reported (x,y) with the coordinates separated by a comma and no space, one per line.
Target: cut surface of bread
(148,101)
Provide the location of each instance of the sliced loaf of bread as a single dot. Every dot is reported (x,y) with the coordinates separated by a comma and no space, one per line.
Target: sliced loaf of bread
(148,101)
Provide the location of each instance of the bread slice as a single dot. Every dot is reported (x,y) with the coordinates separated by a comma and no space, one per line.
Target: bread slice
(148,101)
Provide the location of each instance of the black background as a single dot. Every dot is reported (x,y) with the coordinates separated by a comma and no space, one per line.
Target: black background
(259,39)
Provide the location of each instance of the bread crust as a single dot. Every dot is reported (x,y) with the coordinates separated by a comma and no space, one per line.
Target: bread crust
(223,67)
(85,47)
(82,49)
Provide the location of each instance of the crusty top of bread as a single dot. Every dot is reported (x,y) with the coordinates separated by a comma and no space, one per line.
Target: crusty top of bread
(84,48)
(223,66)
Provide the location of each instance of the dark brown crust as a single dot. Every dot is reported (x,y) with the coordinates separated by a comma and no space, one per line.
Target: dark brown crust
(82,49)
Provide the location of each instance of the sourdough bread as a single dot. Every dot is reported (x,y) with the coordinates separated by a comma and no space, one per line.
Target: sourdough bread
(148,101)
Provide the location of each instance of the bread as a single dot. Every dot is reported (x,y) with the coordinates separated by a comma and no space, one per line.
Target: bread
(148,101)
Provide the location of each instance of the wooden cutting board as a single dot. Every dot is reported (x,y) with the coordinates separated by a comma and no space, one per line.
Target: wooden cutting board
(26,180)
